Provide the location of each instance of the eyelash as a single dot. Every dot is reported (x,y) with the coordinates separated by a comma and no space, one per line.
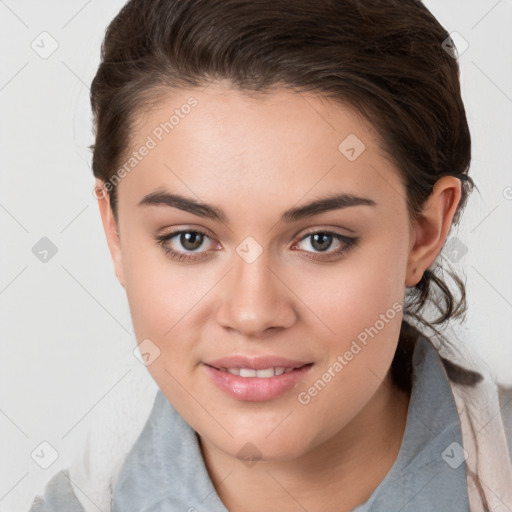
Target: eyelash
(350,243)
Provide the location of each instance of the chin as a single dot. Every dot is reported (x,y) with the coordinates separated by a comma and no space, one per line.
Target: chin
(260,447)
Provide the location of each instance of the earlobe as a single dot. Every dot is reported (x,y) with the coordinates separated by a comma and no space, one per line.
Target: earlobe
(432,227)
(110,228)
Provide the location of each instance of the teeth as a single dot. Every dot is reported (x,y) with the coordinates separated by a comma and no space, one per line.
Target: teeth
(265,373)
(247,372)
(269,372)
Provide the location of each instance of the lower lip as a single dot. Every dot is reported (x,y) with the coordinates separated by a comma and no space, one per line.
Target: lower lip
(256,389)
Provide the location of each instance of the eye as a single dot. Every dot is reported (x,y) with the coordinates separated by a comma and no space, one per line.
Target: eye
(191,240)
(322,241)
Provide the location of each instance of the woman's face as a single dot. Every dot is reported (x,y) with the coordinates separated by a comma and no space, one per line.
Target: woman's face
(292,281)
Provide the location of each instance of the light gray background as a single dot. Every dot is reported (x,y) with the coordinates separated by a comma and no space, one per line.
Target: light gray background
(66,334)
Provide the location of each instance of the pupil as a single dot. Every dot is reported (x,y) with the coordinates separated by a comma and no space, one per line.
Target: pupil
(191,241)
(321,241)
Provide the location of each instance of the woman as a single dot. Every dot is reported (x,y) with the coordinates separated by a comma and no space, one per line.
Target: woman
(276,182)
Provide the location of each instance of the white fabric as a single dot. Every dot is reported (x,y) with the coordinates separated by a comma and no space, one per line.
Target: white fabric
(484,439)
(124,413)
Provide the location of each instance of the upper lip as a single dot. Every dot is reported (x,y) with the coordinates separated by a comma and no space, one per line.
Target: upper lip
(255,363)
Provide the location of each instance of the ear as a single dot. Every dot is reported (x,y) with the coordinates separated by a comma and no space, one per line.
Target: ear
(111,229)
(430,230)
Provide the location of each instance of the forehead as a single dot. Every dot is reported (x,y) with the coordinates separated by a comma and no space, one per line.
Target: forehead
(282,144)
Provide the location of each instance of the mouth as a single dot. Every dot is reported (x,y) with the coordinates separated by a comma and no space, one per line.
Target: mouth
(256,379)
(265,373)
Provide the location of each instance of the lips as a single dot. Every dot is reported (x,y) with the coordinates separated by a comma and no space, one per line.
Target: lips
(256,378)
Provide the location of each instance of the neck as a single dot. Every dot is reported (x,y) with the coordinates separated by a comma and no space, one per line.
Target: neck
(336,476)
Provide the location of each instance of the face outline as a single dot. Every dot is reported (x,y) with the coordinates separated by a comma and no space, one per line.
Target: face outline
(225,152)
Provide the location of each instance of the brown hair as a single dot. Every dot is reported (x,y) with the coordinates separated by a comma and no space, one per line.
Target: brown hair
(384,58)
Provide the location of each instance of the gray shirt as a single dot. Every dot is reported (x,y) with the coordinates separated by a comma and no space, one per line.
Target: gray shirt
(164,470)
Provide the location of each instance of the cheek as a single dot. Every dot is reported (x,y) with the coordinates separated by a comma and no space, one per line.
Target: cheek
(160,292)
(352,294)
(167,306)
(360,305)
(162,298)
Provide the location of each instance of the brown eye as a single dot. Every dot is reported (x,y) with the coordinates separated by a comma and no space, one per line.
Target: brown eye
(191,240)
(184,245)
(321,241)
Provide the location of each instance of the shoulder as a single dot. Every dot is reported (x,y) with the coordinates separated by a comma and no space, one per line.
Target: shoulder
(58,496)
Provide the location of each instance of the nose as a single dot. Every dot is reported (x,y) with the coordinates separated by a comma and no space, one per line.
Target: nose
(254,299)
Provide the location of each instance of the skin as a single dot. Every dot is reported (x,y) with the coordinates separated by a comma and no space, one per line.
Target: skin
(255,157)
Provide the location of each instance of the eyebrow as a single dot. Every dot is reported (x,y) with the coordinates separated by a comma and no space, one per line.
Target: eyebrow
(316,207)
